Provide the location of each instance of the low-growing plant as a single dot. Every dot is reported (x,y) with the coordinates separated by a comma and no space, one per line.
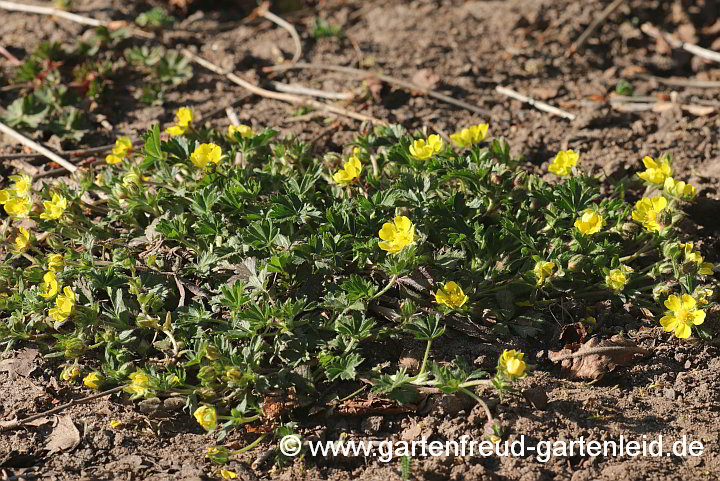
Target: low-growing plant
(65,85)
(237,270)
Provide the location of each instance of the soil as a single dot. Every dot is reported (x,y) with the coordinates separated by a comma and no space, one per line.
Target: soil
(469,47)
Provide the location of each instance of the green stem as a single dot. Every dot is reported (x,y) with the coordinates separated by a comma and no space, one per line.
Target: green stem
(425,358)
(479,401)
(250,446)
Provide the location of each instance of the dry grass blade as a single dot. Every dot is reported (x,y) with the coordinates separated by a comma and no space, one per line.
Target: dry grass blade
(263,11)
(705,53)
(292,99)
(585,36)
(385,78)
(37,147)
(535,103)
(18,7)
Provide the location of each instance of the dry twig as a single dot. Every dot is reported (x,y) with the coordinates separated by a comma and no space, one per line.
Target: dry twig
(705,53)
(18,7)
(300,90)
(292,99)
(5,425)
(37,147)
(535,103)
(263,11)
(670,82)
(585,36)
(385,78)
(11,58)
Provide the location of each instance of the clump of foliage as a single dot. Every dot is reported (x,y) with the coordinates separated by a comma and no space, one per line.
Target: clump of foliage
(63,87)
(229,267)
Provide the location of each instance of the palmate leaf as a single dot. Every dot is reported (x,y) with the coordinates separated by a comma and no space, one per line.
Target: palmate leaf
(396,386)
(26,111)
(341,367)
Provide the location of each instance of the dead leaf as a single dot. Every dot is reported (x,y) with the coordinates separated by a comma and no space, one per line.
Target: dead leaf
(22,365)
(573,333)
(65,436)
(596,358)
(426,78)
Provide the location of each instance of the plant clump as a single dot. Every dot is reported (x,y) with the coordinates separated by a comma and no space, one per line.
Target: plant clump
(227,267)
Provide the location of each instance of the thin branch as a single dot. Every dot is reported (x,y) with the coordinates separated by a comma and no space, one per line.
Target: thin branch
(585,36)
(385,78)
(300,90)
(17,7)
(67,153)
(705,53)
(6,425)
(35,146)
(11,58)
(697,84)
(263,11)
(599,351)
(292,99)
(535,103)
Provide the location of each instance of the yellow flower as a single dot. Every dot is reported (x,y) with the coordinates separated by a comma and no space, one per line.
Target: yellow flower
(682,316)
(183,122)
(206,154)
(451,295)
(680,189)
(646,212)
(704,268)
(112,159)
(5,195)
(471,135)
(64,305)
(590,222)
(656,171)
(140,384)
(56,262)
(54,208)
(176,130)
(543,270)
(123,146)
(207,417)
(397,235)
(22,241)
(703,295)
(116,424)
(70,373)
(94,380)
(245,131)
(421,149)
(512,362)
(228,474)
(351,171)
(50,285)
(18,207)
(563,162)
(617,278)
(22,185)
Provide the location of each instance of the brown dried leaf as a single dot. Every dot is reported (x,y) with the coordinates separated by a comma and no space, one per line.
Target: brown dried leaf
(22,365)
(602,357)
(65,436)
